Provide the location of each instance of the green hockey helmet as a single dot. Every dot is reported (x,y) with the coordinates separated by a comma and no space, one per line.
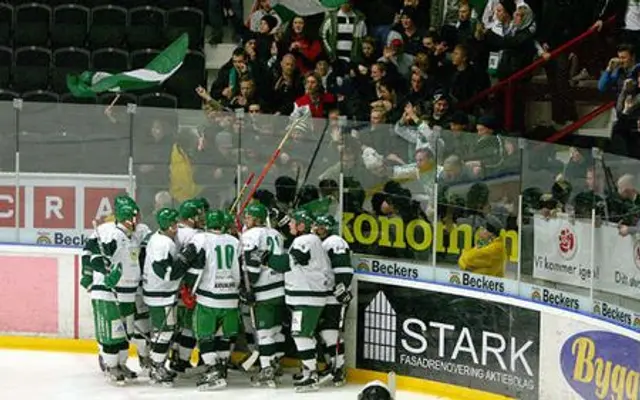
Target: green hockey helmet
(203,203)
(189,209)
(125,212)
(166,218)
(229,219)
(215,220)
(302,216)
(257,211)
(327,221)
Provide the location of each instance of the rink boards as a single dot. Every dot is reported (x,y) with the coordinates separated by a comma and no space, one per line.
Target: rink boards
(439,338)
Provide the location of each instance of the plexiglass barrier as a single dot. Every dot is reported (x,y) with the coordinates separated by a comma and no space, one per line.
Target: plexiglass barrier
(477,208)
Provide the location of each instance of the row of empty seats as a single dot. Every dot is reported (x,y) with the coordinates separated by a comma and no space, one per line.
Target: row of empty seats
(36,68)
(166,4)
(65,25)
(157,99)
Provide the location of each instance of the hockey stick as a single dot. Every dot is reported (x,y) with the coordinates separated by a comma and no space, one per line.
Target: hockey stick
(296,124)
(343,312)
(242,190)
(112,290)
(311,162)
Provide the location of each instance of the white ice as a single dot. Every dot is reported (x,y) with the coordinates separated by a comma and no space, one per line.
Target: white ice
(31,375)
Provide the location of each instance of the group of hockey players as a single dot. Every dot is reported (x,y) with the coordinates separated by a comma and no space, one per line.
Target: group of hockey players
(188,284)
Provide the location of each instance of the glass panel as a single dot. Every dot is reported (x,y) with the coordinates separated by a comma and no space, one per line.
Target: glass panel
(155,140)
(73,161)
(617,249)
(8,195)
(557,203)
(478,187)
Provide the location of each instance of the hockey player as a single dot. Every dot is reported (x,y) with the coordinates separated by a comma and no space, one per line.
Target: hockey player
(142,325)
(266,290)
(91,246)
(116,276)
(214,272)
(191,222)
(308,281)
(332,318)
(163,272)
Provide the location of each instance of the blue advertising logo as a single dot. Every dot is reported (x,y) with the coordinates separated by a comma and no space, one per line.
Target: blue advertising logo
(602,365)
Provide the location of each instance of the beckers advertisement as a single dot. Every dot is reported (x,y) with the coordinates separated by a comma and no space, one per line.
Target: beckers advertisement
(446,338)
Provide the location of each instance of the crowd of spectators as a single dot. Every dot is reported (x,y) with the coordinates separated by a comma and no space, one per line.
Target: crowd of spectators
(385,81)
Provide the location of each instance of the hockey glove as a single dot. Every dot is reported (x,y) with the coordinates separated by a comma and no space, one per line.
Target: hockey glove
(113,277)
(86,281)
(342,294)
(188,299)
(247,296)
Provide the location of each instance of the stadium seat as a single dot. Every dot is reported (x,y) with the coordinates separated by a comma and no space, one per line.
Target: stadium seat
(40,96)
(140,58)
(170,4)
(191,75)
(108,26)
(32,25)
(32,67)
(110,60)
(185,19)
(6,66)
(123,100)
(8,95)
(6,23)
(69,60)
(70,26)
(158,100)
(71,99)
(146,27)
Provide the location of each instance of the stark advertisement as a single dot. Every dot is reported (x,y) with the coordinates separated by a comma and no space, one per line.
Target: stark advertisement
(583,361)
(441,337)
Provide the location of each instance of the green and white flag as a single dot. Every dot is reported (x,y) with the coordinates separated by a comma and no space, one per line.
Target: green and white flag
(287,9)
(165,64)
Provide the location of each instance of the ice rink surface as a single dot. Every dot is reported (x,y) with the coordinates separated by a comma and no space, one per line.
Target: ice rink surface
(31,375)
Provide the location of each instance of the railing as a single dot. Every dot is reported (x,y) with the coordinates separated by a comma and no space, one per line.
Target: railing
(507,84)
(64,163)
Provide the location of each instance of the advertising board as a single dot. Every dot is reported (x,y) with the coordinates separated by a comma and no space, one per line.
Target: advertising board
(55,209)
(446,338)
(583,361)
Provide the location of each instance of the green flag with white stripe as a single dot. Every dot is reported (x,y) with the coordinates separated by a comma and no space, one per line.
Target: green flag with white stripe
(165,64)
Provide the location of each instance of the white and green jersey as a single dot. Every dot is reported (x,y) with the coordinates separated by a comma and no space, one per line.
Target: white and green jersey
(217,260)
(118,248)
(184,235)
(308,278)
(340,257)
(162,271)
(267,283)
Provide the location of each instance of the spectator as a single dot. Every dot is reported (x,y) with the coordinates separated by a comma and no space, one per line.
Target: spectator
(618,69)
(288,86)
(315,98)
(408,32)
(395,54)
(488,153)
(260,9)
(342,33)
(489,256)
(297,41)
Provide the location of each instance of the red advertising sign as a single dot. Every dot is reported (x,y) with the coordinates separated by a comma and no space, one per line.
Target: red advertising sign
(8,205)
(54,207)
(98,203)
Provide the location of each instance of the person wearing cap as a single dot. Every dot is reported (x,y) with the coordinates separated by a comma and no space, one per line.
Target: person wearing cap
(265,37)
(489,256)
(488,152)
